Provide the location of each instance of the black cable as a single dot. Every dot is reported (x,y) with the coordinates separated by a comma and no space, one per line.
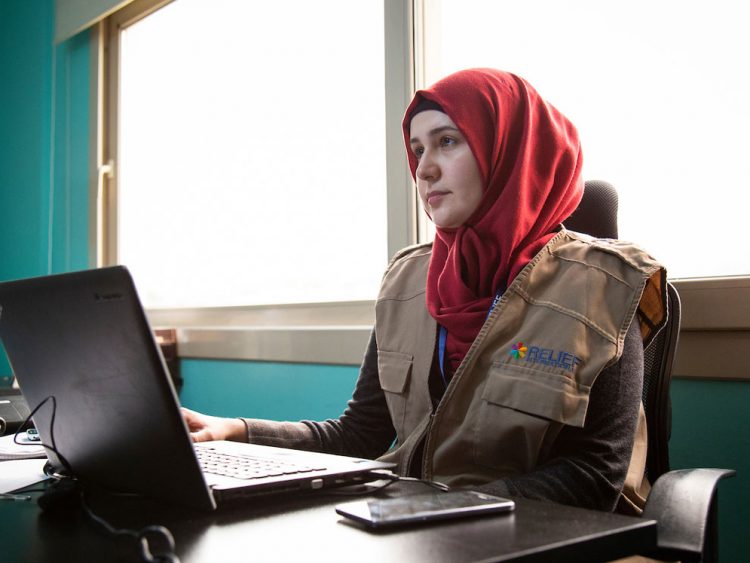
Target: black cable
(53,447)
(144,537)
(434,484)
(392,478)
(68,492)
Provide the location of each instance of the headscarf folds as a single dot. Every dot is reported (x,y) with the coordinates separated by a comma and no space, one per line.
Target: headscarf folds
(529,156)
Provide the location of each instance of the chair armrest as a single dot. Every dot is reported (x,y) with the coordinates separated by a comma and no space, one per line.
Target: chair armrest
(682,503)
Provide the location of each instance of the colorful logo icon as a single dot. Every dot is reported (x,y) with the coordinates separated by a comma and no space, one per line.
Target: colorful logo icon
(518,351)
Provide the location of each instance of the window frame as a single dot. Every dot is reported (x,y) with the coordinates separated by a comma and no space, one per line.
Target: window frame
(714,329)
(716,311)
(309,332)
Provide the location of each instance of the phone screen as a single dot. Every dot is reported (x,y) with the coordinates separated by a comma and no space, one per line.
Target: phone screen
(425,507)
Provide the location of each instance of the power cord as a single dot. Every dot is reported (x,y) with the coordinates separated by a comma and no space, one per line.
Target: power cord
(144,537)
(434,484)
(67,493)
(53,447)
(391,478)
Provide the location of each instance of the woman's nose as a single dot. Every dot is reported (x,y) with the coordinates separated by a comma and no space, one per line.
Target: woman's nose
(427,168)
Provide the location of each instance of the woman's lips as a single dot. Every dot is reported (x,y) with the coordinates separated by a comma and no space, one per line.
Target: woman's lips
(434,198)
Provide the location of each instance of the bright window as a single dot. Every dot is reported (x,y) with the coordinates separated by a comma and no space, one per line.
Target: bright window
(658,91)
(251,152)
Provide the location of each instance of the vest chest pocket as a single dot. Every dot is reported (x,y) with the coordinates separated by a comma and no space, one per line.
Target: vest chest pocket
(394,372)
(520,409)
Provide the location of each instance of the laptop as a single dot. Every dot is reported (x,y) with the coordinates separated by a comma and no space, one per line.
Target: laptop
(84,354)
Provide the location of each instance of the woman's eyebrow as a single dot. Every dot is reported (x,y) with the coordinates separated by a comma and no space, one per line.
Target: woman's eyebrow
(435,131)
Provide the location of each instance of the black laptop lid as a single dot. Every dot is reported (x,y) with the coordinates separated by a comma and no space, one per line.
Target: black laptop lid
(81,344)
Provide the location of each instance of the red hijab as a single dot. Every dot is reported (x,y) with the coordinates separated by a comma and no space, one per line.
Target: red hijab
(530,160)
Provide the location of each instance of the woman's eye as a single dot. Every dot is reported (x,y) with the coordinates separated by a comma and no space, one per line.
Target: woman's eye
(447,141)
(418,151)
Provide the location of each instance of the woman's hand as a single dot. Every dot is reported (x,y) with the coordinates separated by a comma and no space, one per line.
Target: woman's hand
(204,427)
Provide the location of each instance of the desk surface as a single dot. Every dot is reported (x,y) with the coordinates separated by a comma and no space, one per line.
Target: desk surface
(308,529)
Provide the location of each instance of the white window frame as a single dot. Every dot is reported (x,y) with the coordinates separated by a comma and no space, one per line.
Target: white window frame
(716,311)
(334,333)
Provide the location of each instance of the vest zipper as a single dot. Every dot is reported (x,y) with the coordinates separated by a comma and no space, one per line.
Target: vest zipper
(423,439)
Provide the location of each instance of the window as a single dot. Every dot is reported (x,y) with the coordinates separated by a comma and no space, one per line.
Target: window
(656,90)
(658,93)
(292,205)
(251,152)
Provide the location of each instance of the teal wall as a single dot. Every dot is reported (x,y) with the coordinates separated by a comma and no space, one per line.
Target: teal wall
(44,146)
(711,428)
(44,226)
(277,391)
(25,135)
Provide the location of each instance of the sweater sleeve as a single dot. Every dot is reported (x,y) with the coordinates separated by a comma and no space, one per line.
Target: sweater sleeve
(364,430)
(587,466)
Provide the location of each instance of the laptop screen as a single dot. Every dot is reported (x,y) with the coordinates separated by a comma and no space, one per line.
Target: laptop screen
(83,352)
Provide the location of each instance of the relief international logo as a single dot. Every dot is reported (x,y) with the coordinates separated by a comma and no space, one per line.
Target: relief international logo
(518,351)
(545,356)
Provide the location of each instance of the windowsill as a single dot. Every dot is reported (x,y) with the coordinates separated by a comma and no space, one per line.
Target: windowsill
(715,327)
(308,344)
(325,333)
(714,304)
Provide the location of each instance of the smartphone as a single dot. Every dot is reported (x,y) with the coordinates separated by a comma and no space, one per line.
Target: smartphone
(424,507)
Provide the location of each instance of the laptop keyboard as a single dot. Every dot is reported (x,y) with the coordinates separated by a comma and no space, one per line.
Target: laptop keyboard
(246,466)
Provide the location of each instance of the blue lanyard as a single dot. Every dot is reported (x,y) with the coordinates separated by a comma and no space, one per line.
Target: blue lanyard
(443,338)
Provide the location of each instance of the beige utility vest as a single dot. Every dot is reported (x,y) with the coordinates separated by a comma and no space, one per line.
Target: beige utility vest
(531,367)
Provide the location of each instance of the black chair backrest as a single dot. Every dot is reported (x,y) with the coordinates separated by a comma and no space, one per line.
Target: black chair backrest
(596,215)
(658,357)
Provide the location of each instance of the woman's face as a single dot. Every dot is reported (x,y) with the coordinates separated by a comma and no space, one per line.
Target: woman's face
(448,178)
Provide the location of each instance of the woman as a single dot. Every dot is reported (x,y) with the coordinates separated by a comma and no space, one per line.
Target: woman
(505,356)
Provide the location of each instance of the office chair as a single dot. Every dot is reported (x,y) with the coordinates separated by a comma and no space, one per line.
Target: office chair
(683,502)
(658,357)
(596,214)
